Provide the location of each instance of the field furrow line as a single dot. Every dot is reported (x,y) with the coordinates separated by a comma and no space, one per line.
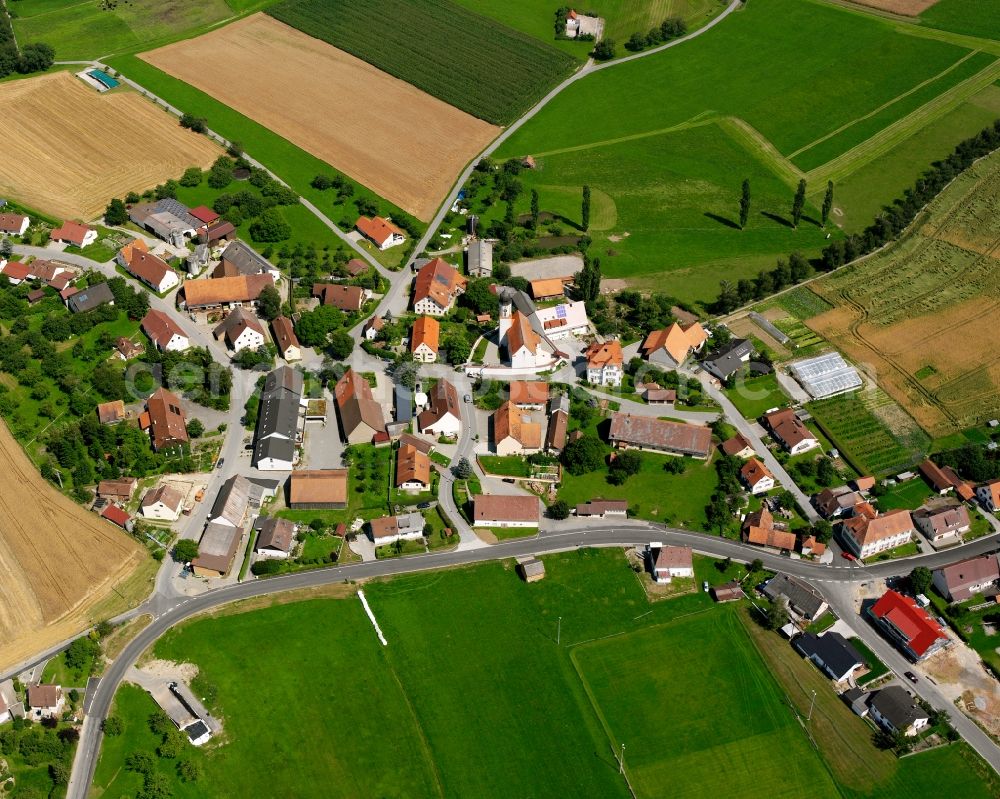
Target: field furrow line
(902,129)
(885,105)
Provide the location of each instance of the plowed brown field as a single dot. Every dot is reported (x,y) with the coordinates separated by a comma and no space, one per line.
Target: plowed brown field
(906,8)
(923,314)
(67,149)
(398,141)
(57,560)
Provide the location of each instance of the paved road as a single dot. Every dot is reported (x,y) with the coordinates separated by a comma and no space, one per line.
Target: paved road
(735,418)
(843,605)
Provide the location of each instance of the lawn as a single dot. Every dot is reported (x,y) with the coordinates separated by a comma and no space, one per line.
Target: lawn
(862,439)
(632,150)
(334,741)
(510,465)
(678,499)
(909,495)
(58,671)
(676,742)
(84,30)
(490,71)
(876,668)
(755,395)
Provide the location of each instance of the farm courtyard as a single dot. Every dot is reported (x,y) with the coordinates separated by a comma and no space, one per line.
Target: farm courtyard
(107,145)
(923,315)
(407,147)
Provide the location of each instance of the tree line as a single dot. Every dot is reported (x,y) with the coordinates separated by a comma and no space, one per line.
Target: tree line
(888,225)
(34,57)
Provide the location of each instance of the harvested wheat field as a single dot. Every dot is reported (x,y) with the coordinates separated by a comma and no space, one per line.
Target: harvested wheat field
(68,150)
(398,141)
(58,561)
(924,314)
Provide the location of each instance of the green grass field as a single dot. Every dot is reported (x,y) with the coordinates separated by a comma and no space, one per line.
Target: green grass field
(970,17)
(781,90)
(491,71)
(666,205)
(452,702)
(755,395)
(719,725)
(509,465)
(82,29)
(678,499)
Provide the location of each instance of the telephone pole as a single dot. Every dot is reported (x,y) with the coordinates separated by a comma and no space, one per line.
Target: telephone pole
(812,702)
(558,630)
(621,761)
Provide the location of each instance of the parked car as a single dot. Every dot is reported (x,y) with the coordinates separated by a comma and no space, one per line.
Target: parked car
(423,506)
(704,586)
(847,556)
(910,676)
(218,463)
(468,398)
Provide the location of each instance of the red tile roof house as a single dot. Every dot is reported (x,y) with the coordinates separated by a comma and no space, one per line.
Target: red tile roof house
(760,529)
(147,268)
(738,447)
(529,393)
(790,432)
(908,626)
(203,214)
(14,224)
(165,420)
(380,231)
(670,562)
(868,532)
(15,272)
(502,510)
(962,580)
(757,477)
(164,332)
(74,233)
(347,298)
(933,474)
(241,330)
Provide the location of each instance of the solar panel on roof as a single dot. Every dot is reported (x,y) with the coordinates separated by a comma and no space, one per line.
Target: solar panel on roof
(561,311)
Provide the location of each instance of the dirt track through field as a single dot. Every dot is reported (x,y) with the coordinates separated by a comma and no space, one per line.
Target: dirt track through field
(67,150)
(57,560)
(398,141)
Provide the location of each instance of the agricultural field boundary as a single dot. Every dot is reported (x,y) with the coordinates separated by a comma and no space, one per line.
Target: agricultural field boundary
(892,135)
(885,105)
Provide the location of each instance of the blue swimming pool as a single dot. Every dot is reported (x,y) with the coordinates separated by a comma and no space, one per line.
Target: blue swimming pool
(103,77)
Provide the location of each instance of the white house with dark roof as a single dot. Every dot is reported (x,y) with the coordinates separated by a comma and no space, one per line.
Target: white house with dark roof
(671,562)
